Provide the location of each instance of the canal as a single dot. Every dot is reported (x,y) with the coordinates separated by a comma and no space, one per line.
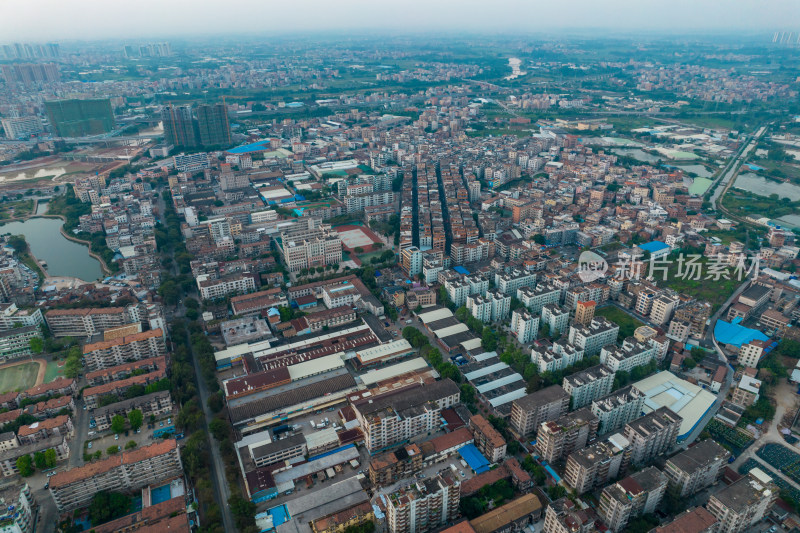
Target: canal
(63,256)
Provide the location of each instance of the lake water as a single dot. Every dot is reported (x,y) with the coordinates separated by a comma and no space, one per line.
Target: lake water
(700,170)
(639,155)
(64,257)
(756,184)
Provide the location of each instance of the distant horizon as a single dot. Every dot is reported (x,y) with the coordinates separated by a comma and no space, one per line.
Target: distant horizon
(55,20)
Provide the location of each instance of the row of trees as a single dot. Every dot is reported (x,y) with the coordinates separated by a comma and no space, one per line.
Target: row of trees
(434,357)
(41,460)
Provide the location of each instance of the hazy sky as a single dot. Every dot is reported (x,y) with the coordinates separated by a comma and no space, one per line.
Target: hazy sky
(39,20)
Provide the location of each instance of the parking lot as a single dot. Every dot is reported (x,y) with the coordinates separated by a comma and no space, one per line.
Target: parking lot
(102,441)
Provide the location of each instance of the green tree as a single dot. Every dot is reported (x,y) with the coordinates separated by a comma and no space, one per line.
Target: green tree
(135,419)
(244,511)
(131,444)
(50,458)
(218,429)
(39,460)
(112,450)
(25,466)
(489,339)
(37,345)
(118,424)
(108,505)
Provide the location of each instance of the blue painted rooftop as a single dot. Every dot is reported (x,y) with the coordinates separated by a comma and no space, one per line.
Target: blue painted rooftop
(653,246)
(259,146)
(736,334)
(461,270)
(474,458)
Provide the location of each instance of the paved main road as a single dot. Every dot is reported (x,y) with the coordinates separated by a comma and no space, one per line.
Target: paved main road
(733,165)
(218,481)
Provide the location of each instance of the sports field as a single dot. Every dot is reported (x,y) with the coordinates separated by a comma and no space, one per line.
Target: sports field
(18,377)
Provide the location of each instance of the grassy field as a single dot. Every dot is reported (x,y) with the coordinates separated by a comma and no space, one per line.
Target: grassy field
(18,377)
(714,291)
(627,324)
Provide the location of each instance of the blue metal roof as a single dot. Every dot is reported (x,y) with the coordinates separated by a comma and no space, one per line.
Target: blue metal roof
(653,246)
(736,334)
(474,458)
(461,270)
(259,146)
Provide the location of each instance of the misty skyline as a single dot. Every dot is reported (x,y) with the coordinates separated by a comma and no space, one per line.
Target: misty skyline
(43,20)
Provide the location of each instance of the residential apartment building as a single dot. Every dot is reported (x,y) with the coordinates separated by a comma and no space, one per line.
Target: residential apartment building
(21,507)
(662,309)
(591,339)
(588,385)
(395,465)
(536,298)
(424,505)
(493,307)
(633,496)
(17,342)
(510,282)
(742,504)
(232,284)
(487,439)
(411,261)
(59,426)
(584,312)
(563,516)
(392,418)
(109,353)
(529,412)
(652,434)
(597,464)
(127,471)
(750,354)
(84,322)
(746,392)
(524,325)
(459,289)
(696,468)
(558,356)
(697,520)
(310,248)
(628,356)
(555,318)
(618,408)
(558,438)
(13,317)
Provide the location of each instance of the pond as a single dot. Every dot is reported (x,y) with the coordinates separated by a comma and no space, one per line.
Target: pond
(639,155)
(63,256)
(761,186)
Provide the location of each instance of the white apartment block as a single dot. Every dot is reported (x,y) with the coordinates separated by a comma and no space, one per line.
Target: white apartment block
(652,434)
(593,337)
(524,325)
(696,468)
(628,356)
(114,352)
(459,289)
(212,289)
(392,418)
(511,282)
(557,357)
(13,317)
(618,408)
(128,471)
(744,503)
(588,385)
(494,307)
(535,299)
(557,319)
(750,353)
(662,309)
(310,248)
